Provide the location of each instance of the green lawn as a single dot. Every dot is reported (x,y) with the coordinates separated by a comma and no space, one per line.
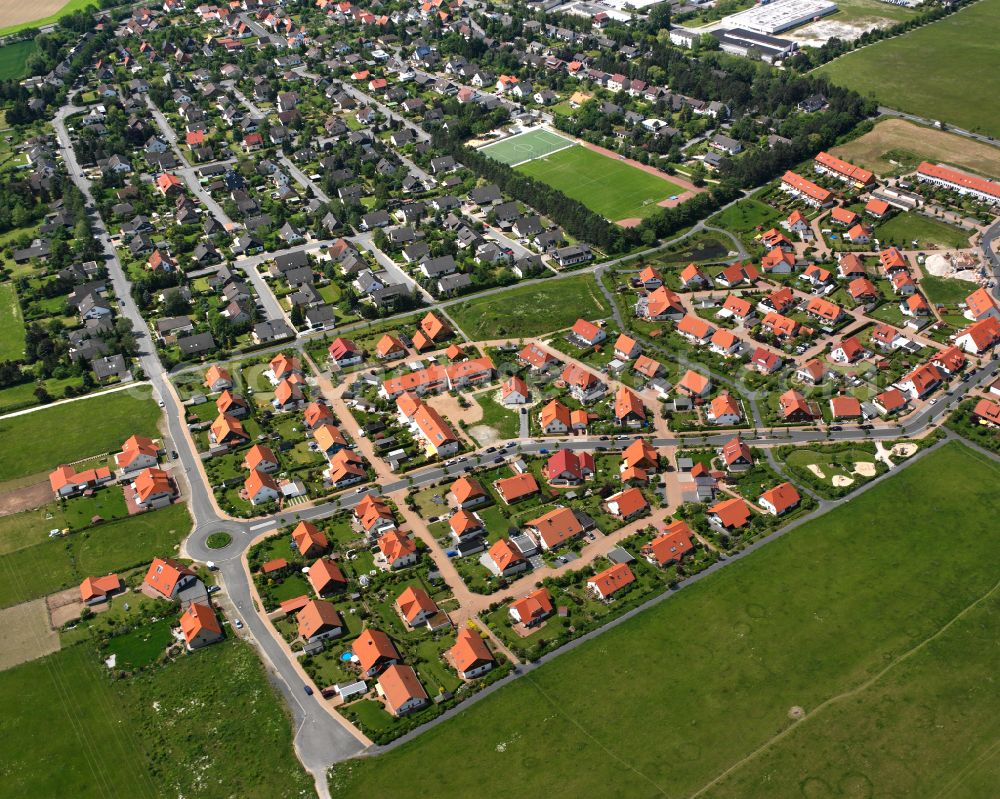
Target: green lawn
(13,59)
(530,310)
(69,730)
(503,420)
(37,569)
(11,322)
(651,706)
(942,71)
(606,185)
(946,291)
(87,427)
(903,230)
(69,8)
(746,216)
(523,147)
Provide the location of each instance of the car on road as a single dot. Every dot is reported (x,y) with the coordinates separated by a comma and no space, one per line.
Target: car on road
(237,624)
(836,427)
(212,589)
(173,455)
(160,403)
(308,689)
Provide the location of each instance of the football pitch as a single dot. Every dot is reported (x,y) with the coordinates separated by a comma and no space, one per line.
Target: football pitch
(526,146)
(616,190)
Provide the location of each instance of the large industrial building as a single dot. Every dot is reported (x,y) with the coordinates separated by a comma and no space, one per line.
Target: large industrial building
(781,15)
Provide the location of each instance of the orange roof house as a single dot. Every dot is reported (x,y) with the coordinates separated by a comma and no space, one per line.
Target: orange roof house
(317,413)
(610,581)
(95,590)
(471,656)
(466,492)
(670,546)
(463,523)
(694,384)
(260,487)
(845,407)
(217,378)
(260,457)
(282,366)
(374,651)
(325,577)
(980,304)
(229,403)
(389,347)
(531,609)
(401,690)
(554,417)
(200,626)
(137,452)
(227,429)
(319,620)
(629,409)
(415,606)
(794,407)
(309,541)
(433,328)
(779,499)
(640,454)
(627,504)
(731,513)
(556,527)
(505,558)
(152,486)
(518,487)
(397,549)
(167,576)
(65,481)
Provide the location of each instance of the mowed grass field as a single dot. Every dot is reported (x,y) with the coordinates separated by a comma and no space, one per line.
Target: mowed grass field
(607,186)
(39,441)
(33,568)
(68,730)
(908,144)
(942,71)
(11,321)
(905,228)
(866,619)
(530,310)
(12,59)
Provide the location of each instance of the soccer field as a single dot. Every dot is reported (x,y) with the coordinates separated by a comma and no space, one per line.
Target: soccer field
(526,146)
(943,71)
(614,189)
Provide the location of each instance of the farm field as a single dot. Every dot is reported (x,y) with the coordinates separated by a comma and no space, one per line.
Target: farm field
(13,58)
(904,229)
(16,15)
(955,58)
(908,144)
(530,310)
(611,188)
(11,323)
(86,427)
(107,741)
(883,610)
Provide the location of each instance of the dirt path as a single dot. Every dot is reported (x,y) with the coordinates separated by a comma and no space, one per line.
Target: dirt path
(27,498)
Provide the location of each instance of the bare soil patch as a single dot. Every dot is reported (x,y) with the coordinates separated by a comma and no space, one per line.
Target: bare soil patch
(812,467)
(864,469)
(869,150)
(448,406)
(26,633)
(484,434)
(904,450)
(840,481)
(28,498)
(14,12)
(66,605)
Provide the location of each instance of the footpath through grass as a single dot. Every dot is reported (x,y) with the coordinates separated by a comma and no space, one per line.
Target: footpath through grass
(11,321)
(41,440)
(664,704)
(530,310)
(207,725)
(943,71)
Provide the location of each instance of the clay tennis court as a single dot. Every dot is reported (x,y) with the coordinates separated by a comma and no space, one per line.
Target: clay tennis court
(17,12)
